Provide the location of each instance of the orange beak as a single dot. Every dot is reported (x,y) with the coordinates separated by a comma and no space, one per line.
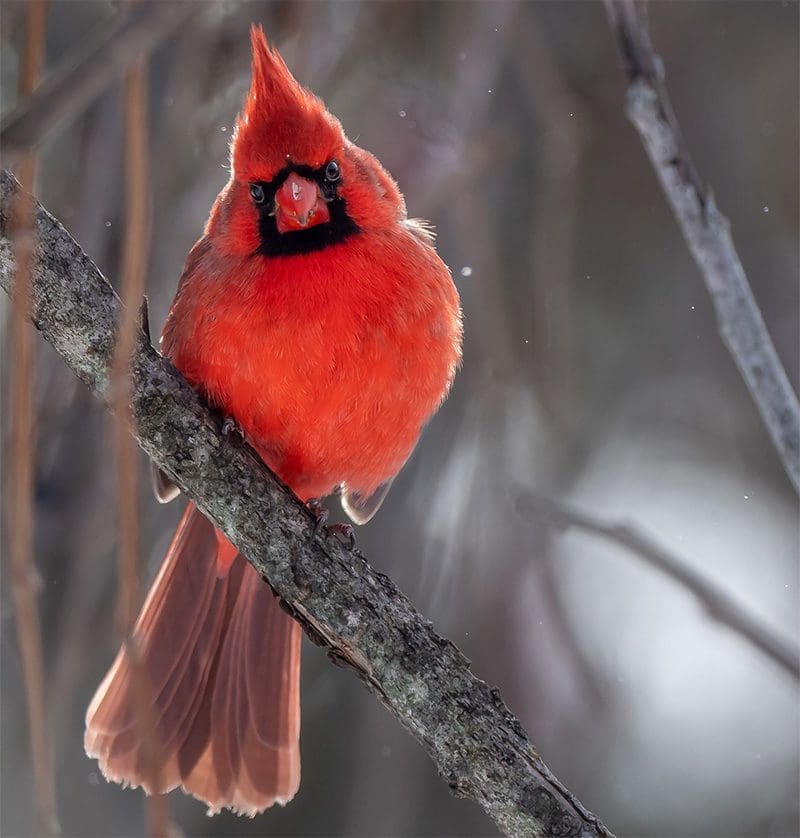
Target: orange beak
(299,204)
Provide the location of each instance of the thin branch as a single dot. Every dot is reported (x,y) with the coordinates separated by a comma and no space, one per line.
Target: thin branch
(707,233)
(134,269)
(87,71)
(358,614)
(25,580)
(720,606)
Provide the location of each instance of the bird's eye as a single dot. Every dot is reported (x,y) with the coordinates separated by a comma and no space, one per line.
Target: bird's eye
(332,172)
(257,193)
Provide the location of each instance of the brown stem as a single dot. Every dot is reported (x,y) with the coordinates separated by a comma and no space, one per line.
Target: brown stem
(134,270)
(25,580)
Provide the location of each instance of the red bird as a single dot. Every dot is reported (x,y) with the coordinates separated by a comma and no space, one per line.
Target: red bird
(318,317)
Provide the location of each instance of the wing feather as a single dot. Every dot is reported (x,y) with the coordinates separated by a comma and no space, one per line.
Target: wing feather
(222,661)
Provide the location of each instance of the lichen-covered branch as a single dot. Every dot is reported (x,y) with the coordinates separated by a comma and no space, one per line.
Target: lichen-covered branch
(707,233)
(358,614)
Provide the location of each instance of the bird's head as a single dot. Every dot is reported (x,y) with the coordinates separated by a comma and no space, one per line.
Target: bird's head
(297,183)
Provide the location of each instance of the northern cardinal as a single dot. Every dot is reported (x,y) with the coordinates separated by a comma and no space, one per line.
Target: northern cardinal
(318,317)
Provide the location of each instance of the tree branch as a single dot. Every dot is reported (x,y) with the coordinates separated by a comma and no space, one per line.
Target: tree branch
(719,605)
(707,233)
(358,614)
(86,72)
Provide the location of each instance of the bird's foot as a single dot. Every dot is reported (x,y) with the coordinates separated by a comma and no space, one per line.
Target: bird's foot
(343,532)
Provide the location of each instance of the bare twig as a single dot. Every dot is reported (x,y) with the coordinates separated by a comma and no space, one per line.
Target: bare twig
(359,615)
(707,233)
(25,581)
(86,72)
(134,269)
(719,605)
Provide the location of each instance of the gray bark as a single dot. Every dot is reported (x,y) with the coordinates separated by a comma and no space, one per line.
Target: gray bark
(358,614)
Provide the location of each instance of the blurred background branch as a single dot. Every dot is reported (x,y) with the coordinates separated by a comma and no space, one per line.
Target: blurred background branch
(136,248)
(88,70)
(26,582)
(134,267)
(707,233)
(719,605)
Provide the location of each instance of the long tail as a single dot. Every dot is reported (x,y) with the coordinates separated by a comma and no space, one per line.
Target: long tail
(222,672)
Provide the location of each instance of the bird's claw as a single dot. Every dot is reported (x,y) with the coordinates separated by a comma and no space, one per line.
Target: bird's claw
(342,532)
(229,428)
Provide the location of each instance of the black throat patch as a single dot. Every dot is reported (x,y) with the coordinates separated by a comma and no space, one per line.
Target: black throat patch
(318,237)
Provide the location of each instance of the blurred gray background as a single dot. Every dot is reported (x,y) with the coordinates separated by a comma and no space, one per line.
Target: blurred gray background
(593,372)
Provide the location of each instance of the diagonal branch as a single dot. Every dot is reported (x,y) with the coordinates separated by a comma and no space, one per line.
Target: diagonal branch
(358,614)
(707,233)
(86,72)
(720,605)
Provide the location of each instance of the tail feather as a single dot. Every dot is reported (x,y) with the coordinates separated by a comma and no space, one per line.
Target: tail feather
(222,667)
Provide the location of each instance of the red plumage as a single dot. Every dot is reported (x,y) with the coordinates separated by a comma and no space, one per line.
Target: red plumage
(320,318)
